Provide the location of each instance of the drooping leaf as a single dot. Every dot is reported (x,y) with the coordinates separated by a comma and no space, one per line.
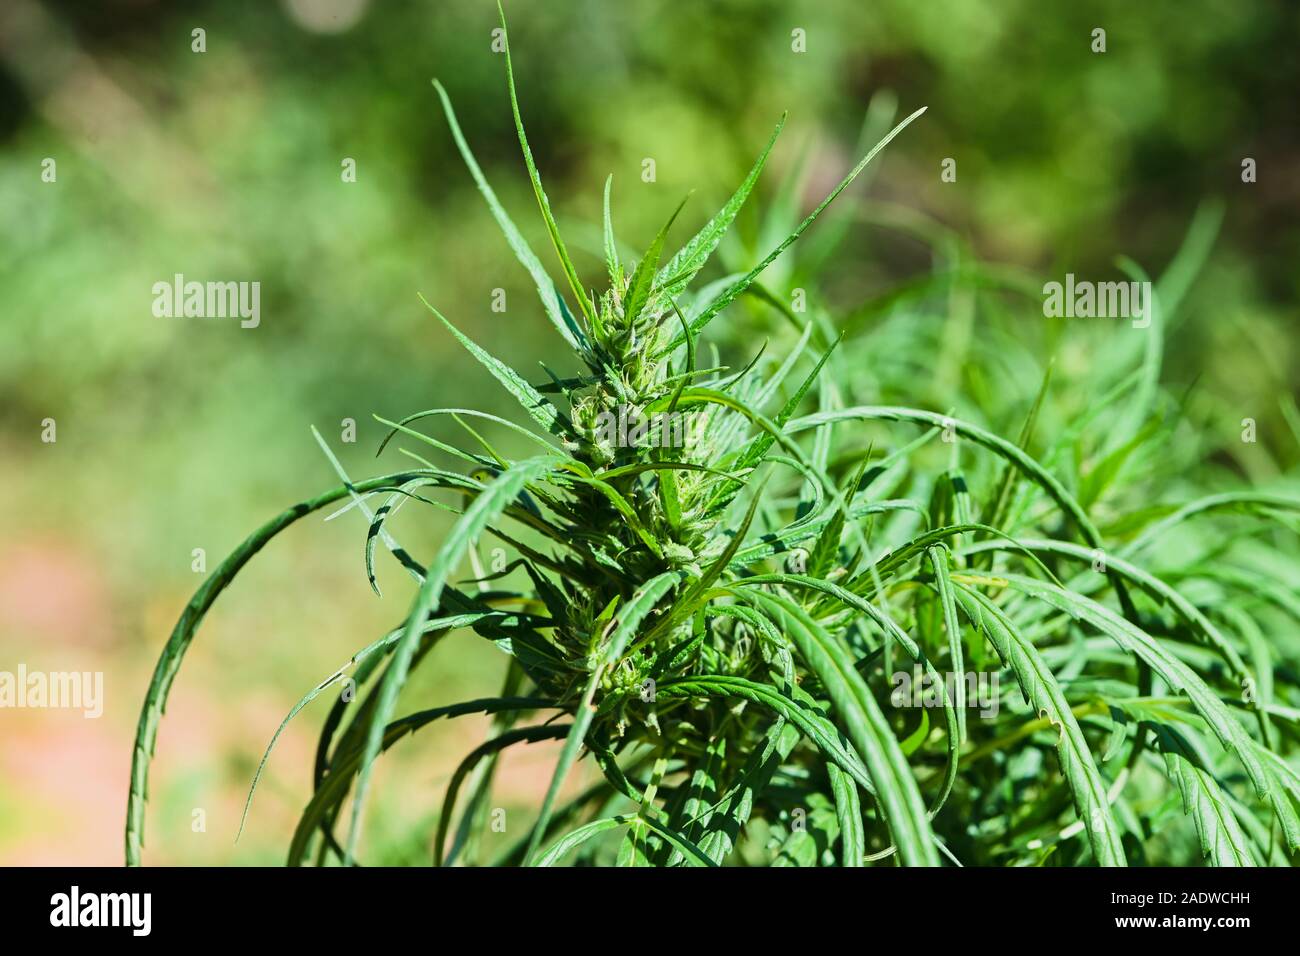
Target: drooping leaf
(498,495)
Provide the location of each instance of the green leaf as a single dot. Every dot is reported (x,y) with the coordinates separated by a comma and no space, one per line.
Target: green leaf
(1028,466)
(892,632)
(570,273)
(896,789)
(554,305)
(1223,841)
(533,402)
(938,556)
(489,748)
(813,724)
(724,822)
(571,841)
(822,559)
(1245,501)
(638,293)
(334,786)
(758,449)
(1201,626)
(169,662)
(627,621)
(736,289)
(611,245)
(1043,692)
(848,809)
(445,624)
(1006,487)
(912,742)
(1171,669)
(677,274)
(496,497)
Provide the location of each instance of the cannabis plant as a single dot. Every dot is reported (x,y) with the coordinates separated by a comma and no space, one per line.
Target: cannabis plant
(762,624)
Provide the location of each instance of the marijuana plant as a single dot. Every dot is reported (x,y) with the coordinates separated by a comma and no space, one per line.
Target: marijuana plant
(715,623)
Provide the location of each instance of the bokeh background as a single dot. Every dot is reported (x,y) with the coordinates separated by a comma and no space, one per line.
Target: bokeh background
(179,434)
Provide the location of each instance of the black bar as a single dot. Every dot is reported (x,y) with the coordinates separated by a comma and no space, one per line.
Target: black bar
(315,906)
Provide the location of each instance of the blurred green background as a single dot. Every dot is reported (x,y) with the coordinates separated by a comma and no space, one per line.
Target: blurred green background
(176,434)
